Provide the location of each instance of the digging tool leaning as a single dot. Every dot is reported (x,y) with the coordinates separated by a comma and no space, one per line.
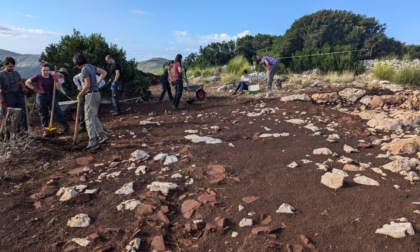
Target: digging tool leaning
(50,131)
(27,112)
(76,123)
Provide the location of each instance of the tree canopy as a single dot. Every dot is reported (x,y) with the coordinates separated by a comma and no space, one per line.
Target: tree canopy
(95,48)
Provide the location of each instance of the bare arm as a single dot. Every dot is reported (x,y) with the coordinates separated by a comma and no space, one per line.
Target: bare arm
(29,84)
(102,74)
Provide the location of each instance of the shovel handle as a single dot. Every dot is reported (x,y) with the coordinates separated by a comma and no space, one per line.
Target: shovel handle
(76,123)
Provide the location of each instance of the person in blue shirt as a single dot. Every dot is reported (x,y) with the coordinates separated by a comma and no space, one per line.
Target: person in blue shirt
(271,65)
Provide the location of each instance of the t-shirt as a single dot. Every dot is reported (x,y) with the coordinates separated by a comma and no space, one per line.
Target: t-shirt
(89,71)
(45,85)
(271,61)
(9,82)
(176,75)
(114,67)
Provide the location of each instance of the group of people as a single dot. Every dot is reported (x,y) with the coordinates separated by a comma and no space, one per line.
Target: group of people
(88,81)
(173,75)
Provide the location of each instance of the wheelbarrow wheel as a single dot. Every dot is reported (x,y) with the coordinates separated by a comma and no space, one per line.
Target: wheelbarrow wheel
(200,94)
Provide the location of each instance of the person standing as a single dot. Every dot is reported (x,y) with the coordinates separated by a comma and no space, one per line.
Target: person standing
(177,81)
(44,88)
(271,65)
(116,85)
(165,79)
(90,92)
(11,89)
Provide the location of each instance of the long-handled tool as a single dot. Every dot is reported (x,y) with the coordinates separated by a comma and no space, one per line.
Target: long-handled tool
(27,112)
(50,131)
(76,124)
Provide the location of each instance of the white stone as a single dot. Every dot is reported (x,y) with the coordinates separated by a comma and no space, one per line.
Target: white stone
(130,204)
(207,140)
(163,187)
(240,207)
(80,220)
(133,245)
(142,169)
(176,176)
(160,156)
(126,189)
(322,151)
(113,164)
(81,241)
(396,230)
(170,160)
(137,155)
(398,165)
(246,222)
(66,193)
(340,172)
(149,122)
(332,180)
(363,180)
(91,191)
(312,127)
(296,97)
(333,138)
(191,131)
(296,121)
(113,175)
(349,149)
(234,234)
(285,208)
(345,160)
(293,165)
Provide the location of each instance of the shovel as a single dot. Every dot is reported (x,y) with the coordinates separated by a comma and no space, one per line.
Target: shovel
(76,123)
(27,112)
(50,131)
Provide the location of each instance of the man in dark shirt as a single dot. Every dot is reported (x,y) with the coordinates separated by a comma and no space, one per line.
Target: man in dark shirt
(116,85)
(11,89)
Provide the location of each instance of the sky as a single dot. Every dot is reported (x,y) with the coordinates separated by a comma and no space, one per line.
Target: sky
(163,28)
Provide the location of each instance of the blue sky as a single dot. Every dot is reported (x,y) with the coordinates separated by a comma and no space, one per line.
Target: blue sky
(164,28)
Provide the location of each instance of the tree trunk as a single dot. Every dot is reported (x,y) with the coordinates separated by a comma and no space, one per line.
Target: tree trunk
(11,124)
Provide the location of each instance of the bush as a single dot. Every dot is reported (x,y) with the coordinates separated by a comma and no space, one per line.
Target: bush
(237,65)
(384,72)
(229,78)
(408,75)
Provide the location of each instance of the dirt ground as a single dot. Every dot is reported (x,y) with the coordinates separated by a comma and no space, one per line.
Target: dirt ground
(243,170)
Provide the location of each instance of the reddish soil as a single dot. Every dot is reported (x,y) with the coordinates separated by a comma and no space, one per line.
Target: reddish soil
(243,165)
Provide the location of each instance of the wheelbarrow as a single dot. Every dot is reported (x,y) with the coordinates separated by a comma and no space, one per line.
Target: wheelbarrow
(69,108)
(198,89)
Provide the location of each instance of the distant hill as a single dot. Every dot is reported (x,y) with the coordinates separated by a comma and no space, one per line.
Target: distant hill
(26,64)
(153,65)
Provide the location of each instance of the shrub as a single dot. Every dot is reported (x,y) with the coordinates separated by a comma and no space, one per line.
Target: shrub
(384,72)
(229,78)
(408,75)
(237,65)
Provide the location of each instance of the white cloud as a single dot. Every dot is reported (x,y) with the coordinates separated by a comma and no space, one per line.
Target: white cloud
(140,12)
(26,15)
(183,37)
(18,32)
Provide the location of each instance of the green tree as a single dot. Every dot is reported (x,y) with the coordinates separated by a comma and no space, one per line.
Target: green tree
(95,48)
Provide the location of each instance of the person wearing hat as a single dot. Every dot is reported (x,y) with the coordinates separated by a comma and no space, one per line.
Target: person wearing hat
(271,65)
(61,74)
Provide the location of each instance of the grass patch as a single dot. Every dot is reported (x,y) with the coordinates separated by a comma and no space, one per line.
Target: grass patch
(345,77)
(384,72)
(237,65)
(229,78)
(408,76)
